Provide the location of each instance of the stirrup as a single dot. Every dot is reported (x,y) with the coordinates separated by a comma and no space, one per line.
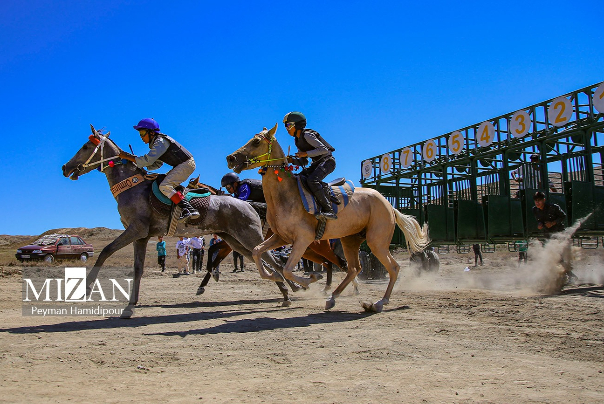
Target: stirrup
(187,214)
(326,215)
(334,199)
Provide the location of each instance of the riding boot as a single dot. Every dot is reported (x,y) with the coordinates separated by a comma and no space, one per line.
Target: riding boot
(326,210)
(187,211)
(332,197)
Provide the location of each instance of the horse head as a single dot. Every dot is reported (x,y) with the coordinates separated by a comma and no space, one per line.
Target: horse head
(93,154)
(256,152)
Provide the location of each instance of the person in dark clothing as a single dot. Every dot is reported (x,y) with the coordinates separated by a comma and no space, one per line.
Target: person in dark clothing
(161,253)
(311,144)
(247,190)
(237,257)
(551,219)
(477,254)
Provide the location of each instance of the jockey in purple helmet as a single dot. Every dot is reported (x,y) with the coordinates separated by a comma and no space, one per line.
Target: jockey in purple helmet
(164,149)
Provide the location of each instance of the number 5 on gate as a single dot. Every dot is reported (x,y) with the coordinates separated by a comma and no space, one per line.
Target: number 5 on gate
(455,142)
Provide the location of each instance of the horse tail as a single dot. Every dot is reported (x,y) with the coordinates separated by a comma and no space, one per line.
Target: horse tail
(416,236)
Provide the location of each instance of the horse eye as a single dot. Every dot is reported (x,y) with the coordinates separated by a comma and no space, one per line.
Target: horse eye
(85,147)
(256,142)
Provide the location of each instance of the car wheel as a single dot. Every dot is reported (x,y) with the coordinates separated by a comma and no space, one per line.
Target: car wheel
(49,258)
(84,257)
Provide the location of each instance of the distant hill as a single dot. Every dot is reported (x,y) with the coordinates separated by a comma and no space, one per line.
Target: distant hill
(84,232)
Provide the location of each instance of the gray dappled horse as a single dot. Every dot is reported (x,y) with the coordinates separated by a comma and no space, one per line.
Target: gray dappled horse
(234,220)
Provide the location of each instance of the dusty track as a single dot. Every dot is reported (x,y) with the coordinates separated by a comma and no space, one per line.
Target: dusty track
(456,336)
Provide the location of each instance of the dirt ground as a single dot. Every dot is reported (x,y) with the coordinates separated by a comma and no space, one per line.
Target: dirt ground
(463,335)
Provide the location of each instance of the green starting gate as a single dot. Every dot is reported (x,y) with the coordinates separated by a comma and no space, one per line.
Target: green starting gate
(462,183)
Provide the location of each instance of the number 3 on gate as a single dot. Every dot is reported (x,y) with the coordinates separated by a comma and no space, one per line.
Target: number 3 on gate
(455,142)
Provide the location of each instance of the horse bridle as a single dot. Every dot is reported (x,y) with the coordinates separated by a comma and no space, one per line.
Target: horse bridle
(100,144)
(256,160)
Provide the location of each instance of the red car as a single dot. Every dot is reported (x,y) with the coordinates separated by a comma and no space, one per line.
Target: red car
(56,246)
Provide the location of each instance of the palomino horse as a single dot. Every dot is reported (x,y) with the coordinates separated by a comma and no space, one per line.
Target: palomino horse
(319,251)
(368,216)
(234,220)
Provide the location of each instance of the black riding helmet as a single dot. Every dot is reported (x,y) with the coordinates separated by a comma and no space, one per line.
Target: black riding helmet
(297,118)
(229,178)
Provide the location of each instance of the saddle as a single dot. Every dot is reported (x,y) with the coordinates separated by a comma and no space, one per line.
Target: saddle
(199,198)
(340,189)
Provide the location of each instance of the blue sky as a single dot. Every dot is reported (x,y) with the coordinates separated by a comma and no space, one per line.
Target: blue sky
(370,77)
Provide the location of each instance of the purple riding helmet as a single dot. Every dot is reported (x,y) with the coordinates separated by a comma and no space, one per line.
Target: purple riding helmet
(147,123)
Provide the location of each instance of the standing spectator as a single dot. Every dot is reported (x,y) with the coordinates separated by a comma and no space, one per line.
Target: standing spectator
(181,255)
(161,253)
(237,257)
(215,240)
(196,245)
(522,251)
(477,254)
(551,219)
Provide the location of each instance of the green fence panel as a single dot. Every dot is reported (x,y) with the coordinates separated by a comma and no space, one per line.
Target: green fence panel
(470,220)
(497,215)
(516,217)
(441,223)
(582,198)
(599,207)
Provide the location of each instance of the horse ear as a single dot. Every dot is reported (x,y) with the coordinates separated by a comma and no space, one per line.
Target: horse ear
(271,133)
(93,130)
(108,133)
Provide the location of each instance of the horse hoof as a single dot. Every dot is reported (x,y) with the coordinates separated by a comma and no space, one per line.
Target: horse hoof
(357,292)
(286,303)
(127,312)
(378,307)
(330,303)
(315,277)
(367,306)
(200,291)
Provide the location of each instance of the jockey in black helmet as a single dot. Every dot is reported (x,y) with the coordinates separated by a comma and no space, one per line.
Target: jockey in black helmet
(164,149)
(247,190)
(311,144)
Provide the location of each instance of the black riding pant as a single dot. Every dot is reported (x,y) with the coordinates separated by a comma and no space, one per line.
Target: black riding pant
(315,174)
(197,257)
(237,257)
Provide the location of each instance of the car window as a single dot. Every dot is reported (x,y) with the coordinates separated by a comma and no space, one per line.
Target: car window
(46,240)
(64,241)
(76,241)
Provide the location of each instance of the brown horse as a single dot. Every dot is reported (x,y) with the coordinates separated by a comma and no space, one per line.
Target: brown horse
(318,251)
(368,216)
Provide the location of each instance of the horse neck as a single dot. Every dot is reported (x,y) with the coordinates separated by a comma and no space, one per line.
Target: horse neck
(120,171)
(275,191)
